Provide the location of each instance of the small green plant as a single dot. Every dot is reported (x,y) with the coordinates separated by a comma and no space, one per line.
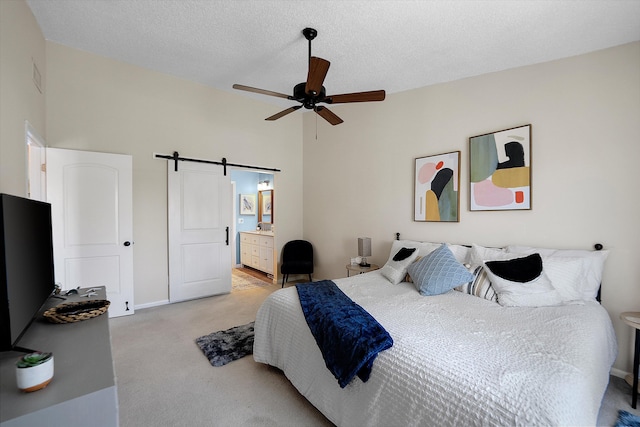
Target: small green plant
(33,359)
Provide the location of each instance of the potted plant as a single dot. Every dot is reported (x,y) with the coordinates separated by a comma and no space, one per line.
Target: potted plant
(34,371)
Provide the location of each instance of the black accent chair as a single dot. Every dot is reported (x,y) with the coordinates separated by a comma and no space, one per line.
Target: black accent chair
(297,258)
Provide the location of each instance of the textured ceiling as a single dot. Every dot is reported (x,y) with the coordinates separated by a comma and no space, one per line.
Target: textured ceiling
(392,45)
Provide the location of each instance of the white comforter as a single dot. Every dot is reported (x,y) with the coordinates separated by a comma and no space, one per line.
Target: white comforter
(457,359)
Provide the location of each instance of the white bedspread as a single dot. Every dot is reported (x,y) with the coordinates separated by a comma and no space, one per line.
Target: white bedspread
(457,360)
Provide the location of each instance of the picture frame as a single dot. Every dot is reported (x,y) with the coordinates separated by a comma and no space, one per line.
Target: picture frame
(500,170)
(266,204)
(247,204)
(437,188)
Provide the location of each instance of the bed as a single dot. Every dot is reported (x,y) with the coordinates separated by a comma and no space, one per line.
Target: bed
(458,357)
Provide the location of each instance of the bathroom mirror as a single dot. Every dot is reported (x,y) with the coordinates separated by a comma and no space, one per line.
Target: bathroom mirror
(265,206)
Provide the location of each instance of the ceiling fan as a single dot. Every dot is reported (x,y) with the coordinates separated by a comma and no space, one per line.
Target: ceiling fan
(311,93)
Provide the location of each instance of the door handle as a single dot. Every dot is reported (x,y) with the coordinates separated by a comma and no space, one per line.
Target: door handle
(127,243)
(227,236)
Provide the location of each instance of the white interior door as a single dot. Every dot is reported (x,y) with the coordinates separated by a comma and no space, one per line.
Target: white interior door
(36,155)
(199,215)
(91,208)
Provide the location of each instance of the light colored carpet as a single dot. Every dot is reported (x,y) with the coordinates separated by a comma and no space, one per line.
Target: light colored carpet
(164,379)
(241,281)
(617,396)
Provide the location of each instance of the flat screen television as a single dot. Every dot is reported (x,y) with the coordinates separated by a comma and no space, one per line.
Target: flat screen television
(26,265)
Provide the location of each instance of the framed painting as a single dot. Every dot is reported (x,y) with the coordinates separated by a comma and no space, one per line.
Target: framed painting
(500,170)
(266,203)
(437,189)
(265,206)
(247,204)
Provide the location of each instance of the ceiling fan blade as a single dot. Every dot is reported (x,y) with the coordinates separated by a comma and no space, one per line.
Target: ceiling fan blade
(374,95)
(328,115)
(283,113)
(318,68)
(261,91)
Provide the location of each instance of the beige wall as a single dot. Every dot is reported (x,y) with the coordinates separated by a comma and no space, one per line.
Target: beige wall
(21,45)
(585,117)
(98,104)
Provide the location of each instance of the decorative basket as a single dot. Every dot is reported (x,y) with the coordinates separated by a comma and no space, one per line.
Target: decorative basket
(76,311)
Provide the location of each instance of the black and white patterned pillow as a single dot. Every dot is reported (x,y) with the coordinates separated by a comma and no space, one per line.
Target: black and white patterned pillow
(480,286)
(522,282)
(395,268)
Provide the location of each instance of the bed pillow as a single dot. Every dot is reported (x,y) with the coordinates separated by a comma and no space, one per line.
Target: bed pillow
(480,254)
(395,268)
(480,286)
(593,265)
(438,272)
(522,282)
(566,275)
(424,248)
(521,270)
(461,252)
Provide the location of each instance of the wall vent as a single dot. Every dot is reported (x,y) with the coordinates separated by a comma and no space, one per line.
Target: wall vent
(36,77)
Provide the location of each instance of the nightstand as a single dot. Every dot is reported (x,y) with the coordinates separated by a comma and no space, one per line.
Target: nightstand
(632,318)
(358,269)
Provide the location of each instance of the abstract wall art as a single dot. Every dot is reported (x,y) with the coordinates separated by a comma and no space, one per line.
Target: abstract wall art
(500,170)
(436,188)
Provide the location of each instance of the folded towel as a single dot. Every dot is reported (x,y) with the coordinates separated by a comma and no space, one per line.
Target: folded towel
(347,335)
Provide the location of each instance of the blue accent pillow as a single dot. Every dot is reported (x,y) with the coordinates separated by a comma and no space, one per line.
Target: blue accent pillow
(438,272)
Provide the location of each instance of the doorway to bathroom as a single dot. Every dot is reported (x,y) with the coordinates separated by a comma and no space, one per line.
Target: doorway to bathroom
(253,259)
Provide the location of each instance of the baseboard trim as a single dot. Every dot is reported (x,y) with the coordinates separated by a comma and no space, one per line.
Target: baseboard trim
(618,373)
(152,304)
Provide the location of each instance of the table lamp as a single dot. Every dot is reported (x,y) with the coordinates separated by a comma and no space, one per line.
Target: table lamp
(364,250)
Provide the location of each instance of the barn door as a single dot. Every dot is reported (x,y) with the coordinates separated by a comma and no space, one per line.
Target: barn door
(199,198)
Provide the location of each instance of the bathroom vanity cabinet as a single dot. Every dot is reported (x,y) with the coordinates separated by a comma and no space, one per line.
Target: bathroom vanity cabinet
(256,250)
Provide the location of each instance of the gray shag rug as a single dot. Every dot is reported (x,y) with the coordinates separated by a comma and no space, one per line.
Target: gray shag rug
(223,347)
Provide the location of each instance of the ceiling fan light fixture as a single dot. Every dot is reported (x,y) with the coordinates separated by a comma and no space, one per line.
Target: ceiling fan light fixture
(311,92)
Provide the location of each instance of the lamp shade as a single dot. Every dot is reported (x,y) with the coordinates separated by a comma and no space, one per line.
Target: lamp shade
(364,246)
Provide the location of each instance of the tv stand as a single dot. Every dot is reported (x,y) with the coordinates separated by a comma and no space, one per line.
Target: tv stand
(22,350)
(83,389)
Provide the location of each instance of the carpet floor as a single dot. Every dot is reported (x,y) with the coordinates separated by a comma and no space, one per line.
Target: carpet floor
(163,379)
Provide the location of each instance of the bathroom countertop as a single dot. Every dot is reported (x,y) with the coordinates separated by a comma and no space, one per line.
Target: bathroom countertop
(260,233)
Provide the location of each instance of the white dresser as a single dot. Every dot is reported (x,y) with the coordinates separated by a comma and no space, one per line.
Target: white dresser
(256,250)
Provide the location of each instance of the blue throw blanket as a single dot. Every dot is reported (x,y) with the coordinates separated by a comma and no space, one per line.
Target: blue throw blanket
(348,336)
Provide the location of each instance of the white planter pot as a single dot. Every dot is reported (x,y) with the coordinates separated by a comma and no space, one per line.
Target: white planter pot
(35,377)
